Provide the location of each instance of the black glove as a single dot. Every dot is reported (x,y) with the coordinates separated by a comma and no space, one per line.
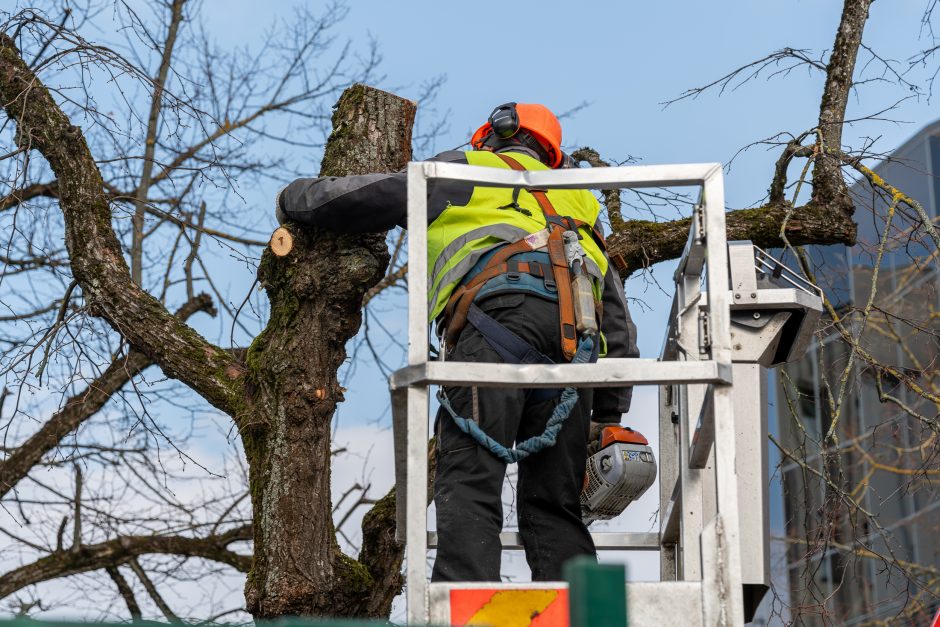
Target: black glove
(594,436)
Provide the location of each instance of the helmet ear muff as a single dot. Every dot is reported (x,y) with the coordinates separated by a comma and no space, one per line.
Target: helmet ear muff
(504,120)
(531,125)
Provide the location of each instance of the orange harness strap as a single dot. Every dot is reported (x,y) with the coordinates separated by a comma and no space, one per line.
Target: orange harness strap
(556,252)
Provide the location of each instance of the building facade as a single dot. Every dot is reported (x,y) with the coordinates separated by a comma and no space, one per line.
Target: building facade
(858,527)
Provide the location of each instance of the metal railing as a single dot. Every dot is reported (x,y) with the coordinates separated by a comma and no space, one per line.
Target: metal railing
(720,591)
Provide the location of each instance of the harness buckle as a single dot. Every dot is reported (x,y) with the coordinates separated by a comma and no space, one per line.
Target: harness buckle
(514,272)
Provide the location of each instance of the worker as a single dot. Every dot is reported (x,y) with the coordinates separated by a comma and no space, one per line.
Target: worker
(477,233)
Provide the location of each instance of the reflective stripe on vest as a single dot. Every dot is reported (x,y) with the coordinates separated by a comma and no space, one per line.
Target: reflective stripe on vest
(504,232)
(464,233)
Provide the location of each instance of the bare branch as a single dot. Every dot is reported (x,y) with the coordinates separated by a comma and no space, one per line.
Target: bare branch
(97,261)
(77,512)
(150,142)
(641,243)
(36,190)
(61,534)
(390,279)
(153,592)
(169,217)
(83,406)
(193,251)
(829,189)
(124,589)
(121,550)
(743,74)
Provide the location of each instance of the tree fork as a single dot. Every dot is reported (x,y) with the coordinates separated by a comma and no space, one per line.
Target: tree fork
(316,287)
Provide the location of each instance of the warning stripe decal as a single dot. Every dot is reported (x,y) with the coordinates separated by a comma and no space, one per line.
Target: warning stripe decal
(509,608)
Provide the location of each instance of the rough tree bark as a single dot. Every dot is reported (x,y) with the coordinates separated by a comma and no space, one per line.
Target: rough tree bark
(829,189)
(316,294)
(638,244)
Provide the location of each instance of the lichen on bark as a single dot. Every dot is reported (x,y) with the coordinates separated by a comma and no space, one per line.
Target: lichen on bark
(638,244)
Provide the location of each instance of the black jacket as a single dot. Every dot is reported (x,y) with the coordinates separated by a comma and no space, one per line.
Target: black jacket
(378,202)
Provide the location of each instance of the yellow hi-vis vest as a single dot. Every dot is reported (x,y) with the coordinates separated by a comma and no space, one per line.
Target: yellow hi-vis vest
(462,234)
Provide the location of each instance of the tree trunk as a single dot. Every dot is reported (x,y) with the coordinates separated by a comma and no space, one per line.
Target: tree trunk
(316,296)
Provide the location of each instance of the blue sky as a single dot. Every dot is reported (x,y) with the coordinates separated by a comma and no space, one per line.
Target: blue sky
(625,58)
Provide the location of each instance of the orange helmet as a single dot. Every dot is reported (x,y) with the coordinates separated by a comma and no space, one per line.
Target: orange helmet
(509,119)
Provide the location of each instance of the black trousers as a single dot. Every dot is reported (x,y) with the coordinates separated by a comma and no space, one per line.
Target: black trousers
(468,486)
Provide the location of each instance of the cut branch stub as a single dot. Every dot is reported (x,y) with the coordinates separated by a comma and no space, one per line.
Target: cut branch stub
(282,242)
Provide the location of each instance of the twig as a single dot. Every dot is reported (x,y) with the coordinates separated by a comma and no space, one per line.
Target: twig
(345,494)
(60,317)
(193,251)
(77,516)
(61,534)
(66,13)
(801,57)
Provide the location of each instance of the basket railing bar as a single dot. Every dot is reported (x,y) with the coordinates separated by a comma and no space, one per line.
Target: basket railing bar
(617,372)
(705,243)
(723,596)
(632,177)
(603,540)
(417,425)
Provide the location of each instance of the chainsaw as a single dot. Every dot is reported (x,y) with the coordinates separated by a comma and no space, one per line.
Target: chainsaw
(621,470)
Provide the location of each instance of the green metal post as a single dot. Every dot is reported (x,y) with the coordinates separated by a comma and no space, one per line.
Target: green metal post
(597,593)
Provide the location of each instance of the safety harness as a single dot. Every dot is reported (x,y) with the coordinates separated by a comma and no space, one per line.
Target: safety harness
(510,347)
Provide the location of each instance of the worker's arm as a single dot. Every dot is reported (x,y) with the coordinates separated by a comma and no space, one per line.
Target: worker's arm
(365,203)
(620,333)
